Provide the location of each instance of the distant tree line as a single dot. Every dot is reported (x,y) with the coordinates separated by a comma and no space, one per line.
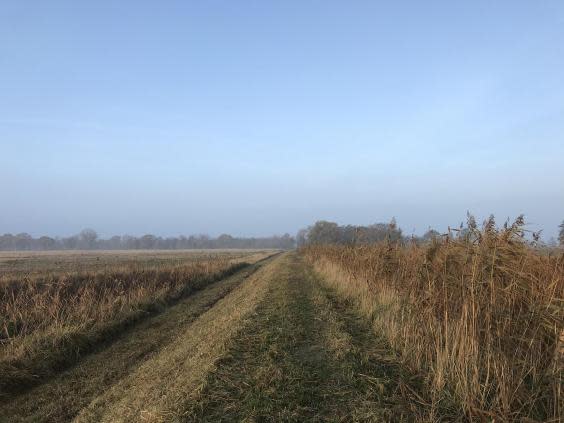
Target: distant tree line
(324,232)
(88,239)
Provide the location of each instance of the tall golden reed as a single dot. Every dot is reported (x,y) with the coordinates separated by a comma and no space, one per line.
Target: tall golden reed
(480,315)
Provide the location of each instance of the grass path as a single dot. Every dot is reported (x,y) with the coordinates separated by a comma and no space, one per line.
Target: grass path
(306,356)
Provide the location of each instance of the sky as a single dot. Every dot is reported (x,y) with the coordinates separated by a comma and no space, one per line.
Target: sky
(261,117)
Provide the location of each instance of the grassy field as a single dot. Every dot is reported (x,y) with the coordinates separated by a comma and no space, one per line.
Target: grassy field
(365,334)
(26,263)
(49,319)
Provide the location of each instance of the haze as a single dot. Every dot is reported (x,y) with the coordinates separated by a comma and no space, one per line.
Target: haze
(254,118)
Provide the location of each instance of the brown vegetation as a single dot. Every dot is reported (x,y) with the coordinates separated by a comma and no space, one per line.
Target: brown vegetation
(480,315)
(160,388)
(47,322)
(26,264)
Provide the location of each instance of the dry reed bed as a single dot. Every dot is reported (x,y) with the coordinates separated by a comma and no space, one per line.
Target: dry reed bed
(480,316)
(47,322)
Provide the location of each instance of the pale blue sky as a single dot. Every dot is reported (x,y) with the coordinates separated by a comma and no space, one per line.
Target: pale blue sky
(260,117)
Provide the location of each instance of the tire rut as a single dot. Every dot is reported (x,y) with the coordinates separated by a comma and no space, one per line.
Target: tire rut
(305,356)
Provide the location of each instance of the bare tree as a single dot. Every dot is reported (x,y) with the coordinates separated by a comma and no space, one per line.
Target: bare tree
(46,243)
(148,242)
(87,239)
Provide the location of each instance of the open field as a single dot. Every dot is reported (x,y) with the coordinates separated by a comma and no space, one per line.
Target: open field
(47,320)
(310,335)
(14,263)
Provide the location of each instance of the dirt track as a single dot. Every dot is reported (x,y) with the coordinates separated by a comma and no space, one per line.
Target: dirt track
(270,343)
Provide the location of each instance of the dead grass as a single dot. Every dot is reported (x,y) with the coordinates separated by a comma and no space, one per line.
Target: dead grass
(47,322)
(18,264)
(482,317)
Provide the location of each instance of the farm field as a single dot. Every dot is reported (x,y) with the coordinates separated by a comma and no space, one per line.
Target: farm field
(237,336)
(14,263)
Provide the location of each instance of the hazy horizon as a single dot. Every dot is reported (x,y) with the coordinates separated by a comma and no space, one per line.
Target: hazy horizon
(530,227)
(253,118)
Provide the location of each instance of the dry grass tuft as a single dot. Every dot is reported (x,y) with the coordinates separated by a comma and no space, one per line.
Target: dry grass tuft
(480,315)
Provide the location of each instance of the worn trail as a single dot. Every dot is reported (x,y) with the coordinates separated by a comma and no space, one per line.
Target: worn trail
(306,356)
(271,343)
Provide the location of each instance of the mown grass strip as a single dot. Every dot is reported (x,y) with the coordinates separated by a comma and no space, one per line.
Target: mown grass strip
(301,358)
